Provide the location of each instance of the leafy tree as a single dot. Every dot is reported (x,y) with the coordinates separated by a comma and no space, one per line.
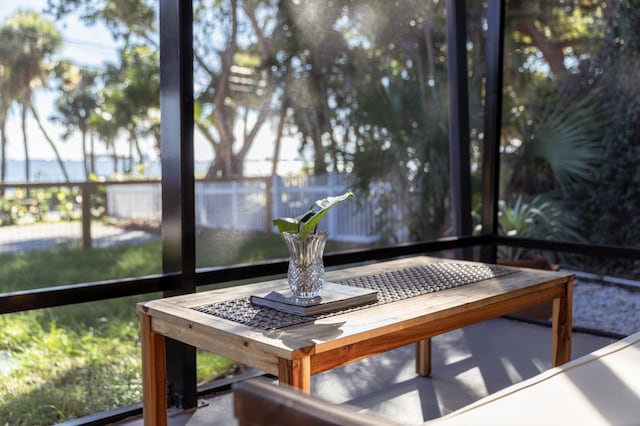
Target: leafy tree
(552,34)
(100,123)
(545,43)
(312,57)
(132,21)
(75,106)
(612,198)
(5,104)
(31,42)
(560,143)
(365,81)
(131,97)
(571,91)
(233,80)
(402,117)
(551,133)
(235,87)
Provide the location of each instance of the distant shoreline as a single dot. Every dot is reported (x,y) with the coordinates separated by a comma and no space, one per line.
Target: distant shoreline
(45,171)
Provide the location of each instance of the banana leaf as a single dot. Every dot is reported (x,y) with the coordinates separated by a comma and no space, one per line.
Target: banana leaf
(308,221)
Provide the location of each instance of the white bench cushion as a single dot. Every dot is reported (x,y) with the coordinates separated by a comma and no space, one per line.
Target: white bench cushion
(601,388)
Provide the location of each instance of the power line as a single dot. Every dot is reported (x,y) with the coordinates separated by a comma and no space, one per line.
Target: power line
(91,44)
(65,40)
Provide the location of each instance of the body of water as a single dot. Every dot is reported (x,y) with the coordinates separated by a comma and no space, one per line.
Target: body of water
(49,170)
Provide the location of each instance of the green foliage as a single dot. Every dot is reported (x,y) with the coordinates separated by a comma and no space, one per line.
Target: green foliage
(560,143)
(49,204)
(308,221)
(609,203)
(39,205)
(29,42)
(211,366)
(539,219)
(60,372)
(78,98)
(396,118)
(572,134)
(402,156)
(46,268)
(215,248)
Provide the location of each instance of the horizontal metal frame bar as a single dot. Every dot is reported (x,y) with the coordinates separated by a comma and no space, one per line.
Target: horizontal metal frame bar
(50,297)
(89,292)
(569,247)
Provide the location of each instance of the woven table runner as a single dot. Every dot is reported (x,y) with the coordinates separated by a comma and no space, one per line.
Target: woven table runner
(391,287)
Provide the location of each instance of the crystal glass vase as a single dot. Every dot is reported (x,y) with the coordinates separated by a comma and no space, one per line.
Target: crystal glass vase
(306,270)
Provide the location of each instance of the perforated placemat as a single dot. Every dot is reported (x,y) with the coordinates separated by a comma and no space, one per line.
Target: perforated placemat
(391,287)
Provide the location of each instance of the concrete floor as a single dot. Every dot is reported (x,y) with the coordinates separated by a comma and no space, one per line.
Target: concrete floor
(467,365)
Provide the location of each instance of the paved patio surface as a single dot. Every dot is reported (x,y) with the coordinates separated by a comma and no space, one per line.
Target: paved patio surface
(467,365)
(41,236)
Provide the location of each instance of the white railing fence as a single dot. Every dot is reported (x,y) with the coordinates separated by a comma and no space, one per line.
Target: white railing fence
(250,204)
(135,201)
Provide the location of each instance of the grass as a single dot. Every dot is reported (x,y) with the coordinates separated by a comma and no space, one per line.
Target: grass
(68,362)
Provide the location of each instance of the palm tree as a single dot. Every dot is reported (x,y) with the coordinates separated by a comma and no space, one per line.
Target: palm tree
(5,102)
(75,106)
(560,144)
(7,56)
(132,97)
(32,41)
(101,125)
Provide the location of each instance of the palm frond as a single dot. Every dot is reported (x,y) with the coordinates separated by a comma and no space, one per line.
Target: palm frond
(565,136)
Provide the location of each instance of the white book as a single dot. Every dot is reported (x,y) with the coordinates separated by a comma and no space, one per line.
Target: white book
(333,297)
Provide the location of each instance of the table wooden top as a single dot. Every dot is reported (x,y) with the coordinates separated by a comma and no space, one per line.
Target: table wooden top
(174,317)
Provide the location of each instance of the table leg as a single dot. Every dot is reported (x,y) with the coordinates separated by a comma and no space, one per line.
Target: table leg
(561,327)
(423,357)
(296,372)
(154,374)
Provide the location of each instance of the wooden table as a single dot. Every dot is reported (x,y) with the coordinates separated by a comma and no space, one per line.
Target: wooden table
(297,352)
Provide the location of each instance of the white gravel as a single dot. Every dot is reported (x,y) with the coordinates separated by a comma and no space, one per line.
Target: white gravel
(606,307)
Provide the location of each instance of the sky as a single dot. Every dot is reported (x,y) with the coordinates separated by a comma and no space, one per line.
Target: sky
(91,47)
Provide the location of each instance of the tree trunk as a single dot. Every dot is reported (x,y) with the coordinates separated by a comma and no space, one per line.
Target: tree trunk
(138,149)
(51,143)
(114,155)
(85,160)
(92,153)
(551,51)
(23,118)
(3,149)
(278,141)
(130,166)
(319,165)
(224,123)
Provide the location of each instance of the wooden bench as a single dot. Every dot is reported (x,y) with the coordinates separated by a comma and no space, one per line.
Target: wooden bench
(600,388)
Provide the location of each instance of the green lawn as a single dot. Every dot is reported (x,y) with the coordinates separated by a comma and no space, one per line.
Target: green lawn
(62,363)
